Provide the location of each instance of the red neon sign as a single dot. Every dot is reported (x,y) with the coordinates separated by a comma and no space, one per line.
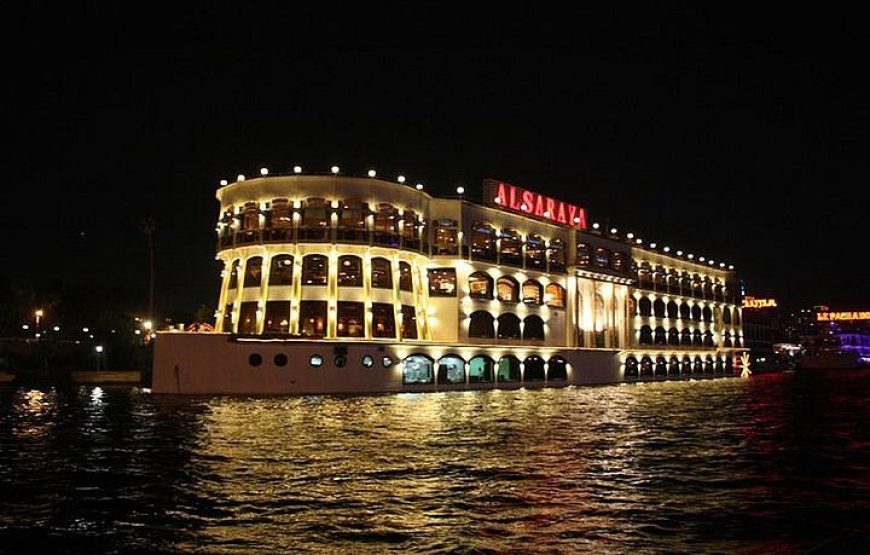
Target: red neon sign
(516,199)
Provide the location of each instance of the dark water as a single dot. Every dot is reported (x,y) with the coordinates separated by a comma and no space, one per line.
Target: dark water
(775,463)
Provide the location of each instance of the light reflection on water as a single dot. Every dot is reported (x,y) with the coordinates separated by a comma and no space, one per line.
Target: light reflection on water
(774,463)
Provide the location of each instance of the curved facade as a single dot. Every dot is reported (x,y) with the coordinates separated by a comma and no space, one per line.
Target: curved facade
(513,292)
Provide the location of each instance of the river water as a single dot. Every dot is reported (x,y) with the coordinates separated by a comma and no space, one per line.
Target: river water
(774,463)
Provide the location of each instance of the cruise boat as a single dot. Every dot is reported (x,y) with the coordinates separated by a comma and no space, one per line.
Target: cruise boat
(348,284)
(837,348)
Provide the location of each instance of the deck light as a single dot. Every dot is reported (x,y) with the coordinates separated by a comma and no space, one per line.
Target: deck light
(240,177)
(613,230)
(630,235)
(701,259)
(264,171)
(691,256)
(679,253)
(334,169)
(639,241)
(667,249)
(595,226)
(419,186)
(223,182)
(460,190)
(98,348)
(652,245)
(372,173)
(297,169)
(731,267)
(401,179)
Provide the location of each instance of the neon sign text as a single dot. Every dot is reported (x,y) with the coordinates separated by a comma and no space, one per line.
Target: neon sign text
(834,316)
(752,302)
(516,199)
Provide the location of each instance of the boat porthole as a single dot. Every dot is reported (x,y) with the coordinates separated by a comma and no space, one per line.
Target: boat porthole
(255,359)
(280,359)
(340,361)
(315,360)
(368,361)
(387,362)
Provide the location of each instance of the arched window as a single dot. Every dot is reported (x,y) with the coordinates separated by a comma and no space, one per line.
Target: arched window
(481,325)
(383,320)
(350,271)
(685,311)
(533,293)
(631,367)
(535,252)
(661,366)
(315,220)
(386,225)
(533,369)
(480,285)
(510,248)
(646,366)
(709,367)
(451,369)
(726,341)
(254,271)
(409,322)
(315,269)
(708,339)
(557,369)
(738,340)
(277,319)
(352,221)
(645,306)
(720,365)
(533,328)
(685,337)
(508,326)
(726,315)
(646,337)
(685,284)
(410,230)
(351,319)
(584,254)
(555,295)
(508,369)
(445,242)
(736,316)
(707,313)
(417,369)
(673,284)
(602,257)
(673,311)
(696,313)
(483,242)
(406,281)
(250,220)
(480,369)
(556,255)
(248,318)
(281,270)
(696,338)
(729,365)
(674,366)
(686,366)
(661,337)
(697,286)
(708,288)
(279,220)
(673,337)
(508,289)
(698,366)
(382,273)
(234,275)
(659,308)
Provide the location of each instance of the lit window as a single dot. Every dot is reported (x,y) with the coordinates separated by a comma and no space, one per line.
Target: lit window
(535,252)
(248,318)
(383,320)
(451,369)
(253,271)
(510,249)
(555,295)
(482,241)
(312,318)
(480,285)
(382,275)
(508,289)
(532,292)
(445,237)
(351,319)
(277,317)
(315,269)
(315,360)
(417,369)
(442,282)
(349,271)
(409,322)
(480,369)
(281,270)
(406,281)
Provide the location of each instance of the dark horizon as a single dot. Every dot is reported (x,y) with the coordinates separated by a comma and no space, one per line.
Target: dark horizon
(740,142)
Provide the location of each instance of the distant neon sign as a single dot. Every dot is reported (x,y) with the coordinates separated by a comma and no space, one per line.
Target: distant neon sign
(752,302)
(838,316)
(516,199)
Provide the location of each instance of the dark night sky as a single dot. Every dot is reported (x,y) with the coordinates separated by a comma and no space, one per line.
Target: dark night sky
(735,136)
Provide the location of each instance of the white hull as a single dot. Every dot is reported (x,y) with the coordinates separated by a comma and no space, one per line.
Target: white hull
(217,363)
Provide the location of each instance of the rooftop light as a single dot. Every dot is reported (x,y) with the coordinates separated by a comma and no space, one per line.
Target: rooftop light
(679,253)
(240,177)
(334,169)
(460,190)
(419,186)
(652,245)
(691,256)
(297,169)
(401,179)
(372,173)
(595,225)
(264,171)
(639,241)
(630,235)
(667,249)
(731,267)
(223,182)
(613,230)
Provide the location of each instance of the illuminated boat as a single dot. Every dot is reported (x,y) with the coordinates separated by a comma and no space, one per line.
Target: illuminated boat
(340,284)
